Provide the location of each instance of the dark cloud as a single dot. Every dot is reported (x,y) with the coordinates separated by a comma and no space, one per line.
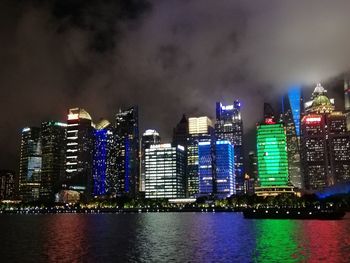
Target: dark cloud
(168,57)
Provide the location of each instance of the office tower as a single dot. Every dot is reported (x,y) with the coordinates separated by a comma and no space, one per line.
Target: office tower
(127,133)
(314,151)
(7,185)
(325,143)
(291,114)
(180,132)
(229,126)
(339,147)
(149,137)
(347,100)
(200,130)
(165,171)
(253,165)
(104,160)
(53,147)
(216,168)
(272,154)
(30,165)
(79,152)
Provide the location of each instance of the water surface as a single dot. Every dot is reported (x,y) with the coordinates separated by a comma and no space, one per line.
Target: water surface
(170,237)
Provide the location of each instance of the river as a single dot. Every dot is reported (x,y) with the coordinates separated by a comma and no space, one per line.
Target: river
(170,237)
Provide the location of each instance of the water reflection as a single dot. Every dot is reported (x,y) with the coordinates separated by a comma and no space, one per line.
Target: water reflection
(277,240)
(170,237)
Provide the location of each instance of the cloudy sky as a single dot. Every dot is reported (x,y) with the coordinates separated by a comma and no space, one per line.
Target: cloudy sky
(168,57)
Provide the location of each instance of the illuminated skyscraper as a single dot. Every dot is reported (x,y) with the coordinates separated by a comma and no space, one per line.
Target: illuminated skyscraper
(149,137)
(53,146)
(216,168)
(127,134)
(272,154)
(79,152)
(291,113)
(164,171)
(104,160)
(30,165)
(229,126)
(347,101)
(200,130)
(180,132)
(339,147)
(325,143)
(314,151)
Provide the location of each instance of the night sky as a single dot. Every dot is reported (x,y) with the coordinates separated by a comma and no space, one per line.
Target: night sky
(168,57)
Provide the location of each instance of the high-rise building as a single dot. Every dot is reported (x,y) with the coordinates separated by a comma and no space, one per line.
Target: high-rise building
(291,114)
(79,152)
(200,130)
(53,147)
(104,160)
(165,171)
(253,165)
(272,155)
(325,143)
(347,101)
(216,168)
(229,126)
(149,137)
(180,132)
(30,165)
(339,147)
(127,134)
(7,185)
(314,152)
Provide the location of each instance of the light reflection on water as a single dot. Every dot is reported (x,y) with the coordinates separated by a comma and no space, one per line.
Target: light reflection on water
(170,237)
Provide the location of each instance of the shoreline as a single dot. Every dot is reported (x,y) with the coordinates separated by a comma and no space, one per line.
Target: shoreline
(118,210)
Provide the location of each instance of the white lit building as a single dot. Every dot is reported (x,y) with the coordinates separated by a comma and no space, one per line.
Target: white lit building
(165,171)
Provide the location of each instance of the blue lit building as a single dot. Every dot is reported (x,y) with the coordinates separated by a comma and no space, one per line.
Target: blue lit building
(128,167)
(99,163)
(206,170)
(229,126)
(225,177)
(216,168)
(200,130)
(104,160)
(291,116)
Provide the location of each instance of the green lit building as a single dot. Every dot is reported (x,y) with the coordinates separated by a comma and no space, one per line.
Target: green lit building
(272,154)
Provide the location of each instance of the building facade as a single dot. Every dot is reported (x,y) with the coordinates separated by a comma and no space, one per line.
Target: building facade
(164,171)
(272,155)
(127,136)
(53,147)
(291,116)
(200,130)
(30,165)
(7,185)
(149,137)
(79,152)
(104,170)
(216,168)
(325,143)
(229,126)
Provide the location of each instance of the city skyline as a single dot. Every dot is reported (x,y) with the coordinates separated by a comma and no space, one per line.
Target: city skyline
(71,57)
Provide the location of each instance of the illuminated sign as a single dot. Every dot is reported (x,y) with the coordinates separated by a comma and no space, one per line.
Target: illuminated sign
(228,107)
(181,147)
(269,121)
(26,129)
(313,119)
(73,116)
